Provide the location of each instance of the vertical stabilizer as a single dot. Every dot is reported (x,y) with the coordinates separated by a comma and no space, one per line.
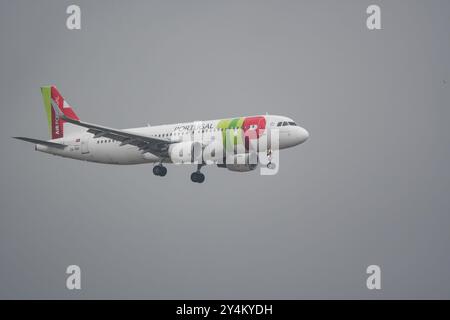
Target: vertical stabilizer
(56,125)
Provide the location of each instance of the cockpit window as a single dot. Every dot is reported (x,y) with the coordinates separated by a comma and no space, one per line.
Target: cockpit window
(286,123)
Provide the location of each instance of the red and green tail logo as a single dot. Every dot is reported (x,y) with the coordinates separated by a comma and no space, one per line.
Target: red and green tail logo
(55,124)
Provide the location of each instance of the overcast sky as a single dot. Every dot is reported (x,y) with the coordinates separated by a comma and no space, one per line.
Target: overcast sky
(370,186)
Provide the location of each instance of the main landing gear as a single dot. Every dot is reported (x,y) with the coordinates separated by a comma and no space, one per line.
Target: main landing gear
(197,176)
(159,170)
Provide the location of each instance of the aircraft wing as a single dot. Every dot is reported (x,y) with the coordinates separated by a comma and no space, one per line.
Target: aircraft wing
(154,145)
(42,142)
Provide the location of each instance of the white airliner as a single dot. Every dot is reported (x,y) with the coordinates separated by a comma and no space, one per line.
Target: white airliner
(228,143)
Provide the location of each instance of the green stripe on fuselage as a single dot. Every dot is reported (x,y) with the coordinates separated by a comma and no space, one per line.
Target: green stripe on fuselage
(232,127)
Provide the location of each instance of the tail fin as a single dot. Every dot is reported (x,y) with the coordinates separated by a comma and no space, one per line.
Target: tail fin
(55,124)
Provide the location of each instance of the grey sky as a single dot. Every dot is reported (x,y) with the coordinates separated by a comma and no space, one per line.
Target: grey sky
(370,186)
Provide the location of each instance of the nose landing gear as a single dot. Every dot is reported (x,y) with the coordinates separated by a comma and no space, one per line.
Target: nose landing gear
(159,170)
(197,176)
(270,165)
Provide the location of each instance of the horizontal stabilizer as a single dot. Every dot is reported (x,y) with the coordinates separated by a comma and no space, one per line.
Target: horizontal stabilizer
(42,142)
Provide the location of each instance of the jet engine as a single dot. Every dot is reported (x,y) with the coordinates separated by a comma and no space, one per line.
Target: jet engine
(241,162)
(241,167)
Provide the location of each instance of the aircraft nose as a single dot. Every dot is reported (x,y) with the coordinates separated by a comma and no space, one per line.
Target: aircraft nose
(302,135)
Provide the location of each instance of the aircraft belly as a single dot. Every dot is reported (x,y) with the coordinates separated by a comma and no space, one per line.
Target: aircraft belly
(115,154)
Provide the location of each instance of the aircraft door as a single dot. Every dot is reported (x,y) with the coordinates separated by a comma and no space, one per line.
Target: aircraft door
(84,145)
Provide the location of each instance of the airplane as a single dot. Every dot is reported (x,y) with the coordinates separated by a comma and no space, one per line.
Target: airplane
(231,143)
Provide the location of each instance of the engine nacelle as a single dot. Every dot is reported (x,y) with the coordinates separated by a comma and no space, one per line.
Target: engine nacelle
(241,162)
(185,152)
(241,167)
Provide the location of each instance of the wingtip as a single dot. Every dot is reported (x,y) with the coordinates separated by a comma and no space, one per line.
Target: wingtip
(20,138)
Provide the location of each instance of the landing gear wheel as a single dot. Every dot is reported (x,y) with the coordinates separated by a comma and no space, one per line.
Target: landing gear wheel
(159,170)
(197,177)
(271,166)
